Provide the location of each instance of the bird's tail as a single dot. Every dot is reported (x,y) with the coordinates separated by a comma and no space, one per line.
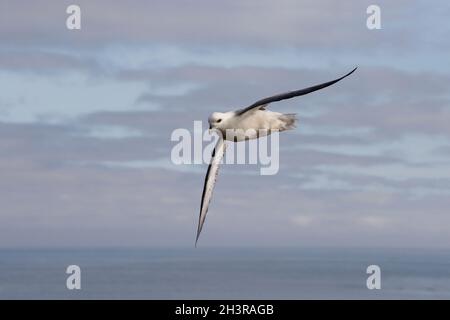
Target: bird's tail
(289,121)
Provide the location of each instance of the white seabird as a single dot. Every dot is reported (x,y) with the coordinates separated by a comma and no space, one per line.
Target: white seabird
(247,123)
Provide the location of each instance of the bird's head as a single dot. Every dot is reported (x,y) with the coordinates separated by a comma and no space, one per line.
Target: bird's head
(217,120)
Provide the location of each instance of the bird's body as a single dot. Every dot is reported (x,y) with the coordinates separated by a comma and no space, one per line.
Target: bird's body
(251,125)
(251,122)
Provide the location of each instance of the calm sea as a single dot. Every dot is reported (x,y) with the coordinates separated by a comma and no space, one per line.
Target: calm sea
(208,273)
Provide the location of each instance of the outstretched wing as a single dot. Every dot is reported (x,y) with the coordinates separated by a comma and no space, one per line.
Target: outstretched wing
(291,94)
(210,181)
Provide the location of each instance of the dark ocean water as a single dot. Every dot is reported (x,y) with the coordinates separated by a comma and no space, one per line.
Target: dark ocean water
(207,273)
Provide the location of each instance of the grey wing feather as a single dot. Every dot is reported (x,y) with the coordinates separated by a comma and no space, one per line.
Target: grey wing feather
(291,94)
(210,181)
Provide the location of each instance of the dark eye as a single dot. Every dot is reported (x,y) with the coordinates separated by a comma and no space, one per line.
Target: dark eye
(219,120)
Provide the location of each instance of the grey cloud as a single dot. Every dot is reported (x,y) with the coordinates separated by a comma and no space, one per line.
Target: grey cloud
(193,22)
(88,203)
(58,189)
(46,62)
(390,101)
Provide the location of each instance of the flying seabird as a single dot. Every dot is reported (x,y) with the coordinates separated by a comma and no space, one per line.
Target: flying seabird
(247,123)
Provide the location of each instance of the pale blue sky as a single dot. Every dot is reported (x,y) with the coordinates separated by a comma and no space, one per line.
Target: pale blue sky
(86,118)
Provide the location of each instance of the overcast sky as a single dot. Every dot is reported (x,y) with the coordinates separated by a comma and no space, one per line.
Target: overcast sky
(86,118)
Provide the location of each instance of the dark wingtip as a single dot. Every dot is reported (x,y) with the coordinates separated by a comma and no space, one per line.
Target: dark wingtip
(350,72)
(196,239)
